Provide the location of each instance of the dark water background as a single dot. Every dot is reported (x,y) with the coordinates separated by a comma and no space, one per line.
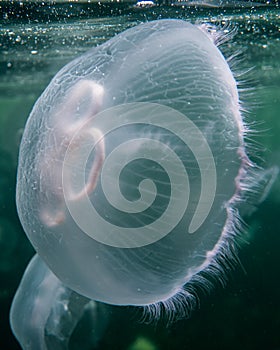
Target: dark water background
(35,41)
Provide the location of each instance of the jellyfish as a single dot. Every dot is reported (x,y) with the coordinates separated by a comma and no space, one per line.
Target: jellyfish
(45,313)
(133,168)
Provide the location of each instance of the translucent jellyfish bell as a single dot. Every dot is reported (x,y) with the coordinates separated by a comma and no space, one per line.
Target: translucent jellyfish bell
(45,313)
(132,163)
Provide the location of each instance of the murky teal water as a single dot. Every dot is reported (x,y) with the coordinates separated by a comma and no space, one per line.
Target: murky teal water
(246,313)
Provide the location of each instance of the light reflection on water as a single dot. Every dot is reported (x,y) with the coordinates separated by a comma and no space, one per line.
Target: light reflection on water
(42,48)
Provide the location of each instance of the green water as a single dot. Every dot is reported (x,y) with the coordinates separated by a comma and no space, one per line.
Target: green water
(244,314)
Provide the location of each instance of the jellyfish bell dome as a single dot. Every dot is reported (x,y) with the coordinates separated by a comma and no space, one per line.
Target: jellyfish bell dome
(131,163)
